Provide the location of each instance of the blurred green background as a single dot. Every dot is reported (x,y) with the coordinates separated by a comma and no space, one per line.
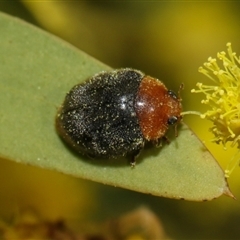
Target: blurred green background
(166,39)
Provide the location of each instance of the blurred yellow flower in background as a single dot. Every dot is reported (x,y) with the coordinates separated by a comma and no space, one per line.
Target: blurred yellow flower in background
(223,98)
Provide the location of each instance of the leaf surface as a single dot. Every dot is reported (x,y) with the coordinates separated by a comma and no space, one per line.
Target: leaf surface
(36,71)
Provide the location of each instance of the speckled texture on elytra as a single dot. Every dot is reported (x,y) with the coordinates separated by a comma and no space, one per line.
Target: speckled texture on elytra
(97,117)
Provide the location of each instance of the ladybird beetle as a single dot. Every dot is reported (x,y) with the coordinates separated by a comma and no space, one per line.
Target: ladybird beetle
(114,113)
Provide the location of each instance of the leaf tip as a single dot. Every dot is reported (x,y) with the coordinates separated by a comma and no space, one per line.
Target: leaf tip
(228,193)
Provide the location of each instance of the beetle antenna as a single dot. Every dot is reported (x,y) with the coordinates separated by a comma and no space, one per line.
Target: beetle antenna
(181,87)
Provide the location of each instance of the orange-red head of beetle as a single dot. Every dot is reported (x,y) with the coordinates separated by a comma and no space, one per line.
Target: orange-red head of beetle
(157,108)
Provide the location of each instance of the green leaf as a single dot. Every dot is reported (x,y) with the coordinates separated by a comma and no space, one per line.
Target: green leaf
(36,71)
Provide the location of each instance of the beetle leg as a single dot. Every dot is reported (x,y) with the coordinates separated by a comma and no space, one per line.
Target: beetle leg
(134,157)
(158,143)
(133,161)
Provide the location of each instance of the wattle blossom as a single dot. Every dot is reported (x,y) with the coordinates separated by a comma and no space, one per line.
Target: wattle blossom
(223,99)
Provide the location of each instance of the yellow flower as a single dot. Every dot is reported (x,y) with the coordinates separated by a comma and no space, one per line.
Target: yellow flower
(223,97)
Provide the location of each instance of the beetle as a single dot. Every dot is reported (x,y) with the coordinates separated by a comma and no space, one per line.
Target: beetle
(114,113)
